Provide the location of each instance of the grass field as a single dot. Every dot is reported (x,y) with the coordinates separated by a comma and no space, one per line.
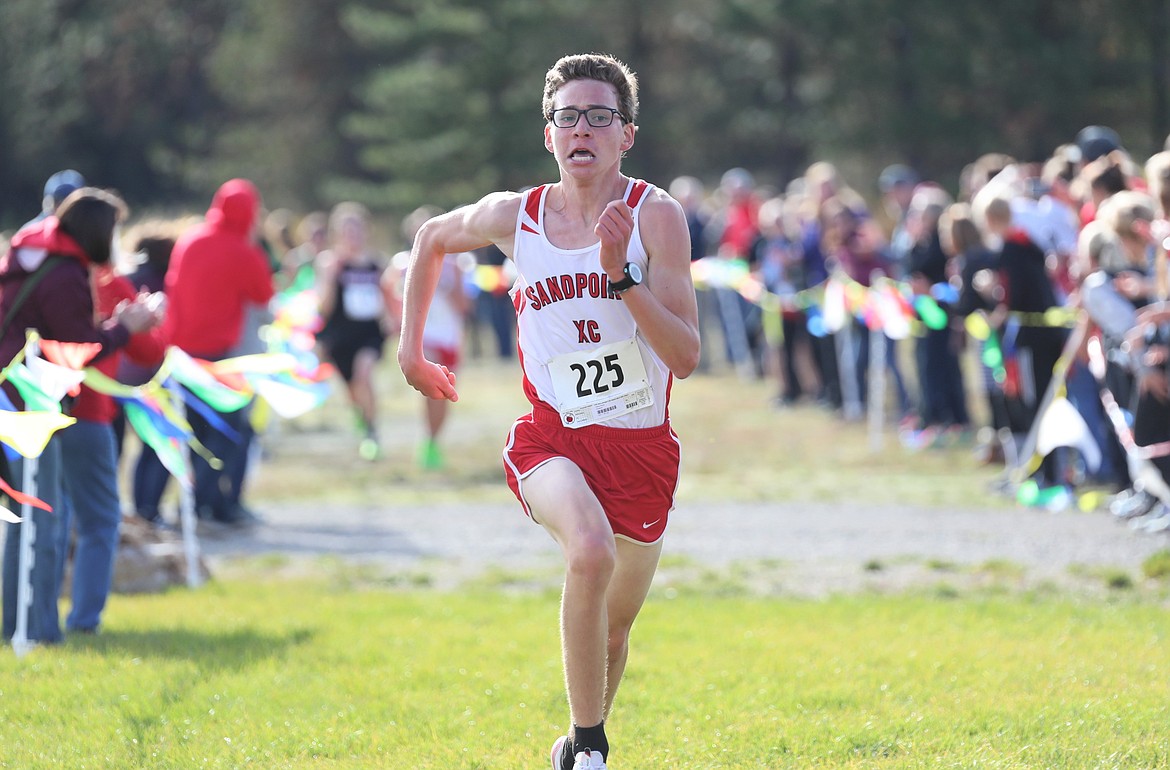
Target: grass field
(316,674)
(338,671)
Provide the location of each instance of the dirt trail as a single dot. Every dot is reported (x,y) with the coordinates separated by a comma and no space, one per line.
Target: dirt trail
(795,549)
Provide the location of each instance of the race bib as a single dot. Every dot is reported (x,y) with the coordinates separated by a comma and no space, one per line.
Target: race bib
(600,384)
(362,301)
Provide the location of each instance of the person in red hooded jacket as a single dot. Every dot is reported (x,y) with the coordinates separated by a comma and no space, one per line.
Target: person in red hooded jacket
(45,284)
(217,269)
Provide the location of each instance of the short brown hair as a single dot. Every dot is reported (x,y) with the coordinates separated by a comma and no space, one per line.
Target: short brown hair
(593,66)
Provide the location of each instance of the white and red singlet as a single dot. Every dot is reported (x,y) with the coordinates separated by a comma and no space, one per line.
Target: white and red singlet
(600,394)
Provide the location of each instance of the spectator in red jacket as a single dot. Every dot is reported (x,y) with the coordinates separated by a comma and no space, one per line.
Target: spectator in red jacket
(217,270)
(45,285)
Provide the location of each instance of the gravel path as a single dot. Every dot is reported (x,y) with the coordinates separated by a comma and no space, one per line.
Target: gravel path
(794,549)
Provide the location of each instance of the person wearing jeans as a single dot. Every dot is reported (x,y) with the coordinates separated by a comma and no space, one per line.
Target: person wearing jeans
(47,283)
(90,504)
(44,624)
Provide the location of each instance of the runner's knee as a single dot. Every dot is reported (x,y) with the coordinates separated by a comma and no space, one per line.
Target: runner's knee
(619,639)
(592,556)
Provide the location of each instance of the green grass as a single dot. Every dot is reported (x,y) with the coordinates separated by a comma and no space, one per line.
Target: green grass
(1157,566)
(347,667)
(318,674)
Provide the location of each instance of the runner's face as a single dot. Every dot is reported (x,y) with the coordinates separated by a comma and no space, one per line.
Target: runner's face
(351,236)
(584,149)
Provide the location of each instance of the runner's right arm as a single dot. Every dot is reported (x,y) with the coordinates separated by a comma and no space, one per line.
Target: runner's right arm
(491,220)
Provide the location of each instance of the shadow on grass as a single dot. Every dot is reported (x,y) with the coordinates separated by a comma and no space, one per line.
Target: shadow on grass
(228,650)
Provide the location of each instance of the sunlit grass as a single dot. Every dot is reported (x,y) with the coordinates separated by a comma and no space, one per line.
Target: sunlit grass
(339,664)
(320,673)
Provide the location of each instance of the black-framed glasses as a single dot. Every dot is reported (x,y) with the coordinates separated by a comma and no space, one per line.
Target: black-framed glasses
(596,117)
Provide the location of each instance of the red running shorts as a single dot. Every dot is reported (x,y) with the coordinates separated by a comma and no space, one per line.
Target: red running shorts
(633,471)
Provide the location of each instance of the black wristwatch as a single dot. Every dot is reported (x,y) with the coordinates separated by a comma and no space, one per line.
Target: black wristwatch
(633,277)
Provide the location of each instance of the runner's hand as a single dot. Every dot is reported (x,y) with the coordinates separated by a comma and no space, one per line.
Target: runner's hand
(614,228)
(431,379)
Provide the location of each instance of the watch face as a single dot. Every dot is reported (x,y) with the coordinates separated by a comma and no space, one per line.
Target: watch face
(634,271)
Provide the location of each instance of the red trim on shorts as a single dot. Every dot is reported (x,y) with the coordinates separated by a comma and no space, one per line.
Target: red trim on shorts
(633,472)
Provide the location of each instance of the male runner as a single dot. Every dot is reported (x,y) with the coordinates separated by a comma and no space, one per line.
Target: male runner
(606,319)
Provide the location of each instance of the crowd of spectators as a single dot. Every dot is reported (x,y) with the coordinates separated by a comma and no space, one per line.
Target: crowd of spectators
(1009,291)
(204,286)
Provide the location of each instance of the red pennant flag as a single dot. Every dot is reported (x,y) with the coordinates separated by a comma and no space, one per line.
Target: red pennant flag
(22,498)
(72,355)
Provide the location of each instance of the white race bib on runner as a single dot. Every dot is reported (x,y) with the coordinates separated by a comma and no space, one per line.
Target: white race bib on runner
(362,301)
(600,384)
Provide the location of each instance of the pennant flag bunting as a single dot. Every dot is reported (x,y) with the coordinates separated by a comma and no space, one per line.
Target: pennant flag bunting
(20,497)
(931,314)
(29,432)
(204,385)
(833,311)
(55,380)
(977,326)
(816,322)
(7,406)
(157,432)
(211,414)
(490,279)
(109,386)
(992,355)
(944,292)
(72,355)
(258,363)
(163,418)
(1061,425)
(289,399)
(892,313)
(35,397)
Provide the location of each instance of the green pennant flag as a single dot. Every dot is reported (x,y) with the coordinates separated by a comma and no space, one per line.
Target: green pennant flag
(35,398)
(203,384)
(169,451)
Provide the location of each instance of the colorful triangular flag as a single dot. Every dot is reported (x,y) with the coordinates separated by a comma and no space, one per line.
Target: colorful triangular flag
(73,355)
(56,380)
(1062,425)
(29,432)
(20,497)
(189,373)
(35,397)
